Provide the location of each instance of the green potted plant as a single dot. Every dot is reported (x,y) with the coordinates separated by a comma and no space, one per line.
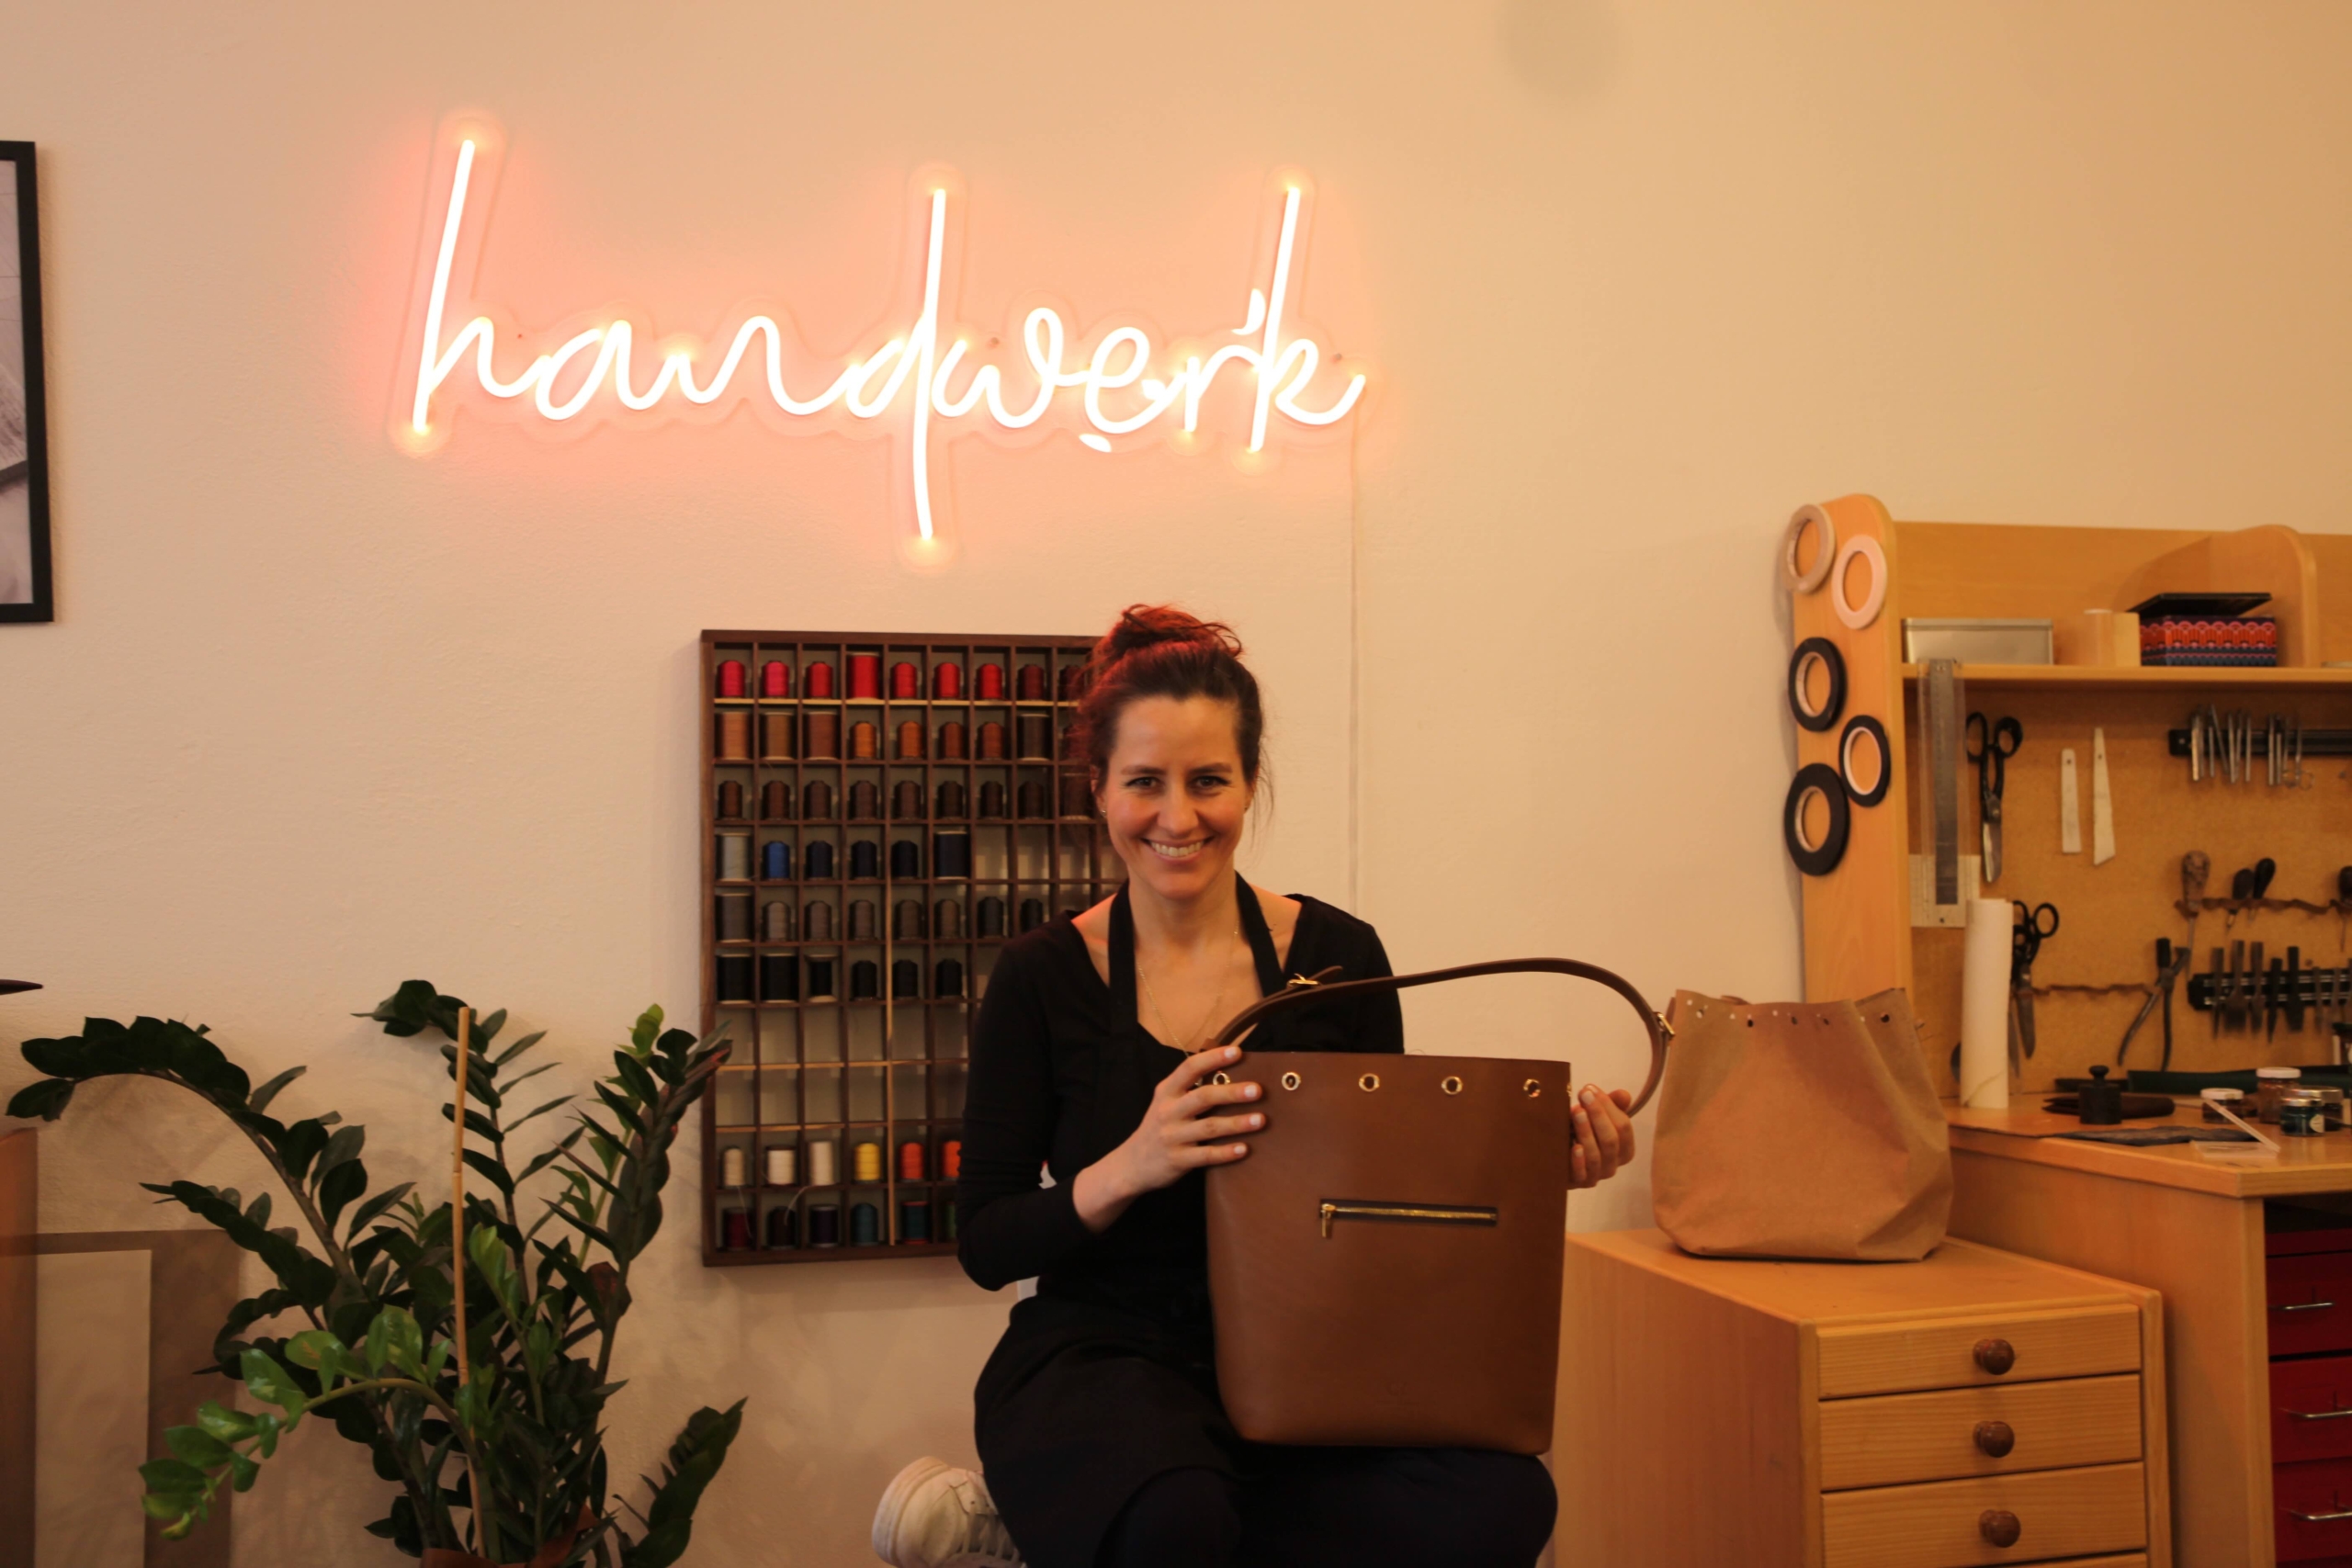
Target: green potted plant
(509,1434)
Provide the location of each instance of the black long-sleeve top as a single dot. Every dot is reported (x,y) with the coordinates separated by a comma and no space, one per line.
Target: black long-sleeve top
(1062,1073)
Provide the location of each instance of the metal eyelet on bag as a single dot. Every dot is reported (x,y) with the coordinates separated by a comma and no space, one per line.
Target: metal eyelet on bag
(1369,1082)
(1532,1088)
(1290,1080)
(1450,1085)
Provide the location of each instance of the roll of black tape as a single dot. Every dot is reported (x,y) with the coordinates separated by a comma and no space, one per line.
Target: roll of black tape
(1862,727)
(735,977)
(906,860)
(905,980)
(779,977)
(864,981)
(1810,652)
(1821,859)
(820,980)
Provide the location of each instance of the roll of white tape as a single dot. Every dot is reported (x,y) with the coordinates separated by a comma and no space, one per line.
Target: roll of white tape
(1856,616)
(1985,1006)
(1805,582)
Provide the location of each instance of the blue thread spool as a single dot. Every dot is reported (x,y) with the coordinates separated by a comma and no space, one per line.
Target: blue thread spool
(817,861)
(906,860)
(865,1225)
(779,977)
(905,980)
(951,854)
(776,861)
(948,979)
(914,1221)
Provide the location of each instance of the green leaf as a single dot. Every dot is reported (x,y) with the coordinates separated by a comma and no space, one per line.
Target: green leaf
(518,1048)
(322,1352)
(46,1098)
(243,1472)
(259,1100)
(229,1425)
(493,1170)
(173,1477)
(647,1026)
(372,1209)
(344,1183)
(341,1148)
(403,1341)
(272,1384)
(197,1446)
(694,1459)
(407,1010)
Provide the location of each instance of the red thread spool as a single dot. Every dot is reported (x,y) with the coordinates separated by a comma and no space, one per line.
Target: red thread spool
(864,675)
(951,1159)
(1032,683)
(991,742)
(776,679)
(730,677)
(911,1162)
(906,681)
(818,679)
(739,1231)
(865,742)
(734,737)
(951,740)
(910,737)
(947,681)
(990,683)
(1066,683)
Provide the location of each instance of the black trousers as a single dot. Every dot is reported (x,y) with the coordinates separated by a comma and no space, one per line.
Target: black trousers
(1341,1508)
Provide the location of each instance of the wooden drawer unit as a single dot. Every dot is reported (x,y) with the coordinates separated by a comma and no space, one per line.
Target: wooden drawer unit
(2315,1510)
(2310,1409)
(2311,1303)
(1976,1407)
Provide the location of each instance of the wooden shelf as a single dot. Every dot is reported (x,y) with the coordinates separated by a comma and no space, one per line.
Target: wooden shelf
(2094,678)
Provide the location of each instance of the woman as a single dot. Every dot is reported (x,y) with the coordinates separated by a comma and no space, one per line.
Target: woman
(1098,1417)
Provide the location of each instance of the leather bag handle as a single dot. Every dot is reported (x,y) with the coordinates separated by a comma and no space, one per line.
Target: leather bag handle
(1305,990)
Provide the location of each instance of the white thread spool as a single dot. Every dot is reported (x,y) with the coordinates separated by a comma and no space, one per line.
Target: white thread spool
(734,857)
(784,1164)
(821,1163)
(732,1168)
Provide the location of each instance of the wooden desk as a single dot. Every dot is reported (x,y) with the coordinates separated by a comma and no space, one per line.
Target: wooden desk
(2172,1220)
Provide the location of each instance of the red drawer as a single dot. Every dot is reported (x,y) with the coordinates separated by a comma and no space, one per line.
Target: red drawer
(2310,1409)
(2321,1489)
(2311,1303)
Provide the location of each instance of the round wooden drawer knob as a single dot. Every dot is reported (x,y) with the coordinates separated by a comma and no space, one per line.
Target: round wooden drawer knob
(1995,1438)
(1998,1526)
(1996,1356)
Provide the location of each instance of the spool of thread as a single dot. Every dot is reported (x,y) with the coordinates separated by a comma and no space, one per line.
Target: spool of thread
(952,797)
(865,1225)
(866,800)
(947,1210)
(817,802)
(816,861)
(734,916)
(864,676)
(915,1221)
(906,682)
(947,981)
(1077,800)
(824,734)
(818,925)
(947,681)
(734,857)
(735,1231)
(864,744)
(1032,914)
(782,1231)
(734,977)
(865,1162)
(910,740)
(953,741)
(1036,736)
(734,1170)
(775,801)
(735,738)
(821,1171)
(992,799)
(910,1160)
(864,860)
(906,860)
(991,742)
(1032,683)
(991,916)
(906,801)
(730,801)
(776,922)
(776,679)
(906,920)
(951,1160)
(947,919)
(775,860)
(905,980)
(1032,798)
(951,854)
(825,1225)
(816,681)
(821,981)
(730,678)
(864,981)
(1985,1005)
(863,924)
(776,736)
(784,1164)
(779,977)
(1065,681)
(987,683)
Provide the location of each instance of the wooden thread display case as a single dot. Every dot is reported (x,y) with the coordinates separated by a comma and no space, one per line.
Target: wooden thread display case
(887,1069)
(1858,919)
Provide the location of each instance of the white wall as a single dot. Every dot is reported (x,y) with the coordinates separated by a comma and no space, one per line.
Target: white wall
(319,716)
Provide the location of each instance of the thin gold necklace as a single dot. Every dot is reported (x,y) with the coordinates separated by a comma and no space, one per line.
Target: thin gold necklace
(1184,1042)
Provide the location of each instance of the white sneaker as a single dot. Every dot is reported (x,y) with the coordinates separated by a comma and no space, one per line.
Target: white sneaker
(934,1515)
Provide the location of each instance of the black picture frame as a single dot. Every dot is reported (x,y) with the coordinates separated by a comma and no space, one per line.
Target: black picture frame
(27,590)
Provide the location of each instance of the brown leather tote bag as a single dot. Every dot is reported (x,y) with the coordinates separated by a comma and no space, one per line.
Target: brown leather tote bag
(1384,1267)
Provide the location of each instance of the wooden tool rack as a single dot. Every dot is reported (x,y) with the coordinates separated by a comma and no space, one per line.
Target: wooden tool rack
(889,1070)
(1859,919)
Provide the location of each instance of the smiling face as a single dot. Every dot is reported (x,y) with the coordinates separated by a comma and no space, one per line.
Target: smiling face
(1173,795)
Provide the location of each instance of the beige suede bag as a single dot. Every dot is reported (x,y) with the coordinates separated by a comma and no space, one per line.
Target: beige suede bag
(1800,1130)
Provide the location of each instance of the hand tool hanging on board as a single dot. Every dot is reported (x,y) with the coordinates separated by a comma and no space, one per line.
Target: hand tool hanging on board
(2162,991)
(2220,997)
(2070,805)
(2257,993)
(1991,744)
(2102,802)
(2025,946)
(1945,702)
(2294,992)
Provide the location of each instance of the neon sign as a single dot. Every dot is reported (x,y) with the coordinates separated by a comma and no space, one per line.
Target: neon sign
(928,375)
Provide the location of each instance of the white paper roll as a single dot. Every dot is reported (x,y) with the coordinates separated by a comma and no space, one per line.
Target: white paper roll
(1985,1006)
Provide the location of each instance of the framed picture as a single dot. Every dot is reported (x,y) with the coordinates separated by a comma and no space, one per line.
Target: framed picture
(25,592)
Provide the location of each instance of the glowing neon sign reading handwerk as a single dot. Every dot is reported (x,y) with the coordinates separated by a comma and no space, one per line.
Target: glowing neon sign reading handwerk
(575,376)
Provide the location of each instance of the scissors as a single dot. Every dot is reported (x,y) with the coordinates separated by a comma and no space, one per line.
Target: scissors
(1990,743)
(2031,928)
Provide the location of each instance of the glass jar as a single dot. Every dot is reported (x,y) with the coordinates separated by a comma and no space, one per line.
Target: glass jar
(2270,1086)
(2302,1116)
(2230,1100)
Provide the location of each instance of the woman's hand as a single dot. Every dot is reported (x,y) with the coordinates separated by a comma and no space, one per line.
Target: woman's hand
(1604,1137)
(1176,1135)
